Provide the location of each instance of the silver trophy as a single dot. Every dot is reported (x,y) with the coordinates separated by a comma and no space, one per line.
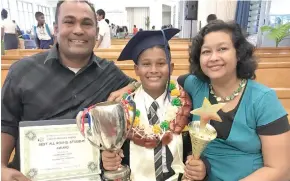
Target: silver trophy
(108,129)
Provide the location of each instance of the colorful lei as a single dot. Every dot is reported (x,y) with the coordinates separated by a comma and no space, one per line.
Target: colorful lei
(159,129)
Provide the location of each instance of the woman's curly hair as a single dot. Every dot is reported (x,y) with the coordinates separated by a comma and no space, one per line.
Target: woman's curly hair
(246,64)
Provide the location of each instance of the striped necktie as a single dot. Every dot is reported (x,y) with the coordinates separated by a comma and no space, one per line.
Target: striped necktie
(153,119)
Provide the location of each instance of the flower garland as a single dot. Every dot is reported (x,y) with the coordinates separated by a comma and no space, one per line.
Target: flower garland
(157,130)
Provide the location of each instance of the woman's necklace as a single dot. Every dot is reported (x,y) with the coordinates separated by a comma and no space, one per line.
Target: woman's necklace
(231,97)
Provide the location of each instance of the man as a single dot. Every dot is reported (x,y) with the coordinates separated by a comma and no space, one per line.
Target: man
(211,17)
(42,32)
(17,28)
(58,83)
(104,36)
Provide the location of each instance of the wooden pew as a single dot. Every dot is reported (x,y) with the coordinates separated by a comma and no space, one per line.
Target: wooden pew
(113,48)
(273,69)
(272,50)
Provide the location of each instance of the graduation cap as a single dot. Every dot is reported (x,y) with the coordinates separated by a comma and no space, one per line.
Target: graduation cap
(147,39)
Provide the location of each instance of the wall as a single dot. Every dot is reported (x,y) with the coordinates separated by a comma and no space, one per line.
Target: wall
(280,7)
(155,9)
(224,9)
(166,18)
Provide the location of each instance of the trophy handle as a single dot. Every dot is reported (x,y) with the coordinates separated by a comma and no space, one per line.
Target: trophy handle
(126,104)
(133,104)
(81,120)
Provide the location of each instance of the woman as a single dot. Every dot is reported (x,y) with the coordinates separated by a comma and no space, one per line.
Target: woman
(253,141)
(8,32)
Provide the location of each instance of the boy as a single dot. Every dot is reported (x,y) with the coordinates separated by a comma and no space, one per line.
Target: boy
(149,158)
(43,34)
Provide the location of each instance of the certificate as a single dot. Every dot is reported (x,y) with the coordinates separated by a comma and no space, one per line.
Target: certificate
(56,150)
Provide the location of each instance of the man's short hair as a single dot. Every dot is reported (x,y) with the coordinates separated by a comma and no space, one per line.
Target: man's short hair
(4,13)
(101,12)
(211,17)
(61,1)
(38,14)
(108,21)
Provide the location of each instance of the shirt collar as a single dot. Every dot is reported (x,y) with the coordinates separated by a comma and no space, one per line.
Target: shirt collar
(53,55)
(149,100)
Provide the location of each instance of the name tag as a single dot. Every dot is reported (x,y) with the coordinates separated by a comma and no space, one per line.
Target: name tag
(56,150)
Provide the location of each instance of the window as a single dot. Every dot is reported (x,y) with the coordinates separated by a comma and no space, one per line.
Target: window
(5,5)
(46,11)
(254,17)
(26,16)
(279,19)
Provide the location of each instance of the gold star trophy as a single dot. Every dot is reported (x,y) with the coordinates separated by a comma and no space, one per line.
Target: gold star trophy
(202,133)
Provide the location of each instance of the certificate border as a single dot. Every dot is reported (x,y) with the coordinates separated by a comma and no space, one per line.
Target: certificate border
(31,135)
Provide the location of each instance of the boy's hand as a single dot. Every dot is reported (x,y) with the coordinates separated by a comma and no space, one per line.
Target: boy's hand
(194,169)
(112,160)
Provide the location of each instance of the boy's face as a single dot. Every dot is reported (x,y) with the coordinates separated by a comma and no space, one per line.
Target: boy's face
(153,69)
(41,19)
(99,17)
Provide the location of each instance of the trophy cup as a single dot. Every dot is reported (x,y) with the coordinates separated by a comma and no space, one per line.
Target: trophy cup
(202,133)
(108,129)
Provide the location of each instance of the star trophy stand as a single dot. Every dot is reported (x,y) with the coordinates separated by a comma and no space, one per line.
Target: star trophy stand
(202,133)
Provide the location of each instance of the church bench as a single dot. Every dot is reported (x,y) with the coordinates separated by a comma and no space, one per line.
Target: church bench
(271,50)
(272,74)
(170,42)
(113,48)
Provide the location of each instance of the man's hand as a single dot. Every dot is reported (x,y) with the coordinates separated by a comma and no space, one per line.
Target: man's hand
(183,113)
(9,174)
(112,160)
(117,95)
(194,169)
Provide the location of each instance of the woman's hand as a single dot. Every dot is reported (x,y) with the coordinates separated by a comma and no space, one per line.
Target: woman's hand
(194,169)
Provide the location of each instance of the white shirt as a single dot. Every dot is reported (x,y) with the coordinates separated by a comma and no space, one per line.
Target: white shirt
(42,34)
(75,70)
(9,26)
(160,113)
(104,31)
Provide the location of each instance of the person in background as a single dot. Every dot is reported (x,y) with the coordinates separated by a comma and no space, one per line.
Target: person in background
(8,32)
(126,32)
(113,29)
(42,32)
(120,34)
(210,18)
(253,139)
(135,30)
(104,35)
(19,32)
(108,21)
